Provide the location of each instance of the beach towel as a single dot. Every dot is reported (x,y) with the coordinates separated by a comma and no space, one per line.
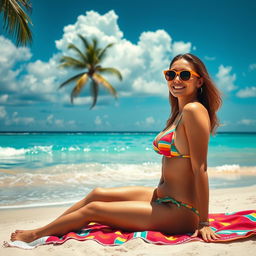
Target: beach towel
(230,226)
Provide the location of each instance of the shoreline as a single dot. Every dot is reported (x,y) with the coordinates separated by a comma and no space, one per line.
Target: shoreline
(221,200)
(64,205)
(222,177)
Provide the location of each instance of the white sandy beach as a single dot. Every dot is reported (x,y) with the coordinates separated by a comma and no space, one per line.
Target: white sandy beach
(221,200)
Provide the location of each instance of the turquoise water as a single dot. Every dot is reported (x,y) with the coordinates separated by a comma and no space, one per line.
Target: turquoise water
(44,168)
(33,150)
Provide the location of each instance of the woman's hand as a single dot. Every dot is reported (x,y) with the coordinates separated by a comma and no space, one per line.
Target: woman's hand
(207,234)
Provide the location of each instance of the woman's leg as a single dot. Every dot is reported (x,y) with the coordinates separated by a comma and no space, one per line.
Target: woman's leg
(126,215)
(132,193)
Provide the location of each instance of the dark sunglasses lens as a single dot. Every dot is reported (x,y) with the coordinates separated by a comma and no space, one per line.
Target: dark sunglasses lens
(185,75)
(170,75)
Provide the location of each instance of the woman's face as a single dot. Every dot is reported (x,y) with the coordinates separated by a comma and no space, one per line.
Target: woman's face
(180,88)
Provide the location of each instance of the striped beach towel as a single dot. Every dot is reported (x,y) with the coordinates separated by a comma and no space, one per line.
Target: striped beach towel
(230,226)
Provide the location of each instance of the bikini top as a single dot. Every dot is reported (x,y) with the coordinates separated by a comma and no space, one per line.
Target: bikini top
(166,145)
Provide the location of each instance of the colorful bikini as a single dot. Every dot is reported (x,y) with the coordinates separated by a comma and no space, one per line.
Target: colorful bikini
(166,146)
(168,199)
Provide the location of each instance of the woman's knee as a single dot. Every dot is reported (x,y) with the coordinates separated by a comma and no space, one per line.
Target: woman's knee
(91,209)
(97,193)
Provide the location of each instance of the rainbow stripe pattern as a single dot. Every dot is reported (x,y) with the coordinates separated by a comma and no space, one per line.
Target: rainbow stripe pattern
(166,145)
(230,226)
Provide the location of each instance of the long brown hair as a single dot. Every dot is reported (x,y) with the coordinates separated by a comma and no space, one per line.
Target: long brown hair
(209,95)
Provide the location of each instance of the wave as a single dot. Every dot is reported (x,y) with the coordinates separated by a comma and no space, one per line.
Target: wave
(52,149)
(87,174)
(228,167)
(9,151)
(67,183)
(90,173)
(233,169)
(12,152)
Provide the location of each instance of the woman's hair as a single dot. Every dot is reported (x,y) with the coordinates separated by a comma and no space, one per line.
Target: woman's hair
(209,95)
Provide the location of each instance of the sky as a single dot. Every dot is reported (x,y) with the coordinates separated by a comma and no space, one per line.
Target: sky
(146,36)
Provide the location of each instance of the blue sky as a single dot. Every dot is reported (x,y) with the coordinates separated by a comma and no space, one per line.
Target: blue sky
(147,34)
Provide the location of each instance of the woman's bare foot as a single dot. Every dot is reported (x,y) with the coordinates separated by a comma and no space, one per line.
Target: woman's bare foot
(18,231)
(24,235)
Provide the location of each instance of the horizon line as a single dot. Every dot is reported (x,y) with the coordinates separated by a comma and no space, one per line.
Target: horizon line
(109,131)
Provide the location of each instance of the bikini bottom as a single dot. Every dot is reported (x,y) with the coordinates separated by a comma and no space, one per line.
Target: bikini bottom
(167,199)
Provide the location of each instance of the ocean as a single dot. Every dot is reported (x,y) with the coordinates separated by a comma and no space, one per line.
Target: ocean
(59,168)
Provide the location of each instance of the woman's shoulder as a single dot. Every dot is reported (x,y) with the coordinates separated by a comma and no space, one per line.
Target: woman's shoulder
(195,108)
(195,112)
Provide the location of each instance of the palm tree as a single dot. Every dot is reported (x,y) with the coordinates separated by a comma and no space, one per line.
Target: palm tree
(89,60)
(16,21)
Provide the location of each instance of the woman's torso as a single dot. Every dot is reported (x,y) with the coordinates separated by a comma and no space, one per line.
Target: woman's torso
(177,173)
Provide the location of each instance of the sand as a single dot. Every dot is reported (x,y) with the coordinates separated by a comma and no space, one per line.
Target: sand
(221,200)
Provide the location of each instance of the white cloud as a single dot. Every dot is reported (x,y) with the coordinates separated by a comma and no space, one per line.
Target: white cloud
(91,25)
(252,66)
(225,80)
(247,121)
(2,112)
(4,98)
(180,48)
(53,121)
(150,120)
(80,100)
(59,122)
(141,63)
(16,119)
(43,78)
(71,122)
(34,81)
(225,123)
(98,120)
(248,92)
(149,87)
(10,54)
(102,121)
(49,119)
(21,120)
(210,58)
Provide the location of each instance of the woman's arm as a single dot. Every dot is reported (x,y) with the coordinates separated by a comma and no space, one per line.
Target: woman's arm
(197,128)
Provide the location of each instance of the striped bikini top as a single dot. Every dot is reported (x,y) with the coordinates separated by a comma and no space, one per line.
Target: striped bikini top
(166,145)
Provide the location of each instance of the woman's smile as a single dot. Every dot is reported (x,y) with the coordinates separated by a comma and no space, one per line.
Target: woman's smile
(178,87)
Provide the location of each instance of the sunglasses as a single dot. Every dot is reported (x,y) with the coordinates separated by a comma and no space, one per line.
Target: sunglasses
(184,75)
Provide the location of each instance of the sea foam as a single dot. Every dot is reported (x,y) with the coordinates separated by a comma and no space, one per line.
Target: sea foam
(9,151)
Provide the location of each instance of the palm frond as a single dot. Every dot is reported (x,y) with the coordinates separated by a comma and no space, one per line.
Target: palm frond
(80,54)
(92,57)
(102,53)
(79,85)
(71,62)
(85,42)
(95,43)
(71,80)
(16,21)
(94,92)
(101,80)
(89,59)
(113,71)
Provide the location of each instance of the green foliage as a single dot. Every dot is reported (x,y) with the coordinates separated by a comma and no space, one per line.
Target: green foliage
(89,60)
(16,21)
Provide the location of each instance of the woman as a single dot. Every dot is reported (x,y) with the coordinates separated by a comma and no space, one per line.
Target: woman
(180,202)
